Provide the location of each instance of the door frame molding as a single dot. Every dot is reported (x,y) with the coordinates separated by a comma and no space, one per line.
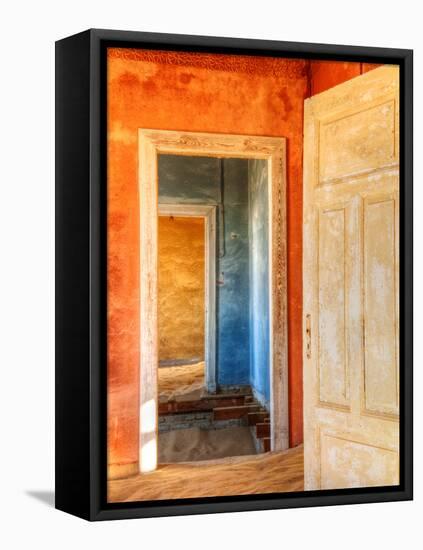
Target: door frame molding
(208,214)
(151,143)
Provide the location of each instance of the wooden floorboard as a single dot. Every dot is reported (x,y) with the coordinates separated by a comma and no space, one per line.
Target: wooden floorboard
(236,411)
(203,403)
(265,473)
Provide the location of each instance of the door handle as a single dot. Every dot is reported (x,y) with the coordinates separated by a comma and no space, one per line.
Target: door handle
(308,335)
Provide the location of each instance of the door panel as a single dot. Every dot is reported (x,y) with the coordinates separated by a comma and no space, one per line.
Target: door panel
(379,290)
(357,141)
(349,463)
(332,359)
(351,384)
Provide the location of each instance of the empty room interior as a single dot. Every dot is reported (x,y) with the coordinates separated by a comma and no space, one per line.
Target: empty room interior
(250,202)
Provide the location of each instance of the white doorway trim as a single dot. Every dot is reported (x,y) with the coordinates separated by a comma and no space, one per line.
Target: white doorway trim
(151,143)
(208,213)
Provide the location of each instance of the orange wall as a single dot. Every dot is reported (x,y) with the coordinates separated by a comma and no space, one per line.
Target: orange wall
(193,92)
(204,93)
(181,288)
(326,74)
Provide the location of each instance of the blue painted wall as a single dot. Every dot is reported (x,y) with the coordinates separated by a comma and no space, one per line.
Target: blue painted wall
(199,180)
(188,180)
(233,276)
(259,280)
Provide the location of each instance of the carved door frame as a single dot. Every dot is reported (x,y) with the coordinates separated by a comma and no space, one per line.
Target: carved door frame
(151,143)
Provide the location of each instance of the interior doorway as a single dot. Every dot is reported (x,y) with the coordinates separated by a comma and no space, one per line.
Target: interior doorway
(271,152)
(182,307)
(187,290)
(229,416)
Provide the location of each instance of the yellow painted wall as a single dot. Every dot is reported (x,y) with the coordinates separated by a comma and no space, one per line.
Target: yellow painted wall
(181,288)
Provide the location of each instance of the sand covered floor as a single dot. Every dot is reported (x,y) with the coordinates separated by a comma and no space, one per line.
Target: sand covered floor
(263,473)
(198,444)
(185,382)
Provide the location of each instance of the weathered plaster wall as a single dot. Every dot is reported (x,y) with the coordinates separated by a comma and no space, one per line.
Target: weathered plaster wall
(193,92)
(200,180)
(327,74)
(259,279)
(232,278)
(181,289)
(188,180)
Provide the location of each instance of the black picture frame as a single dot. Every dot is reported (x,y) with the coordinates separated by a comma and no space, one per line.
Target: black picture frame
(81,465)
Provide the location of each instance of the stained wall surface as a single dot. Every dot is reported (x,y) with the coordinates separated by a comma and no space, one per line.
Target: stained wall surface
(224,183)
(327,74)
(233,336)
(199,93)
(181,289)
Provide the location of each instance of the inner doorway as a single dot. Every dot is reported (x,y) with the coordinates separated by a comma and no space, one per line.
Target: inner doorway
(187,292)
(182,306)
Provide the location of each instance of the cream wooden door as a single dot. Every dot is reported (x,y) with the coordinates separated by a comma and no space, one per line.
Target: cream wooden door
(351,428)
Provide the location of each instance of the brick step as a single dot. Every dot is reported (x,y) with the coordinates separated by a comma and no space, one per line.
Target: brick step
(263,429)
(266,444)
(228,413)
(241,395)
(256,417)
(204,404)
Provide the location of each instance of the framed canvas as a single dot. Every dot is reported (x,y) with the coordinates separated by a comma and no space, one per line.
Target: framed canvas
(233,274)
